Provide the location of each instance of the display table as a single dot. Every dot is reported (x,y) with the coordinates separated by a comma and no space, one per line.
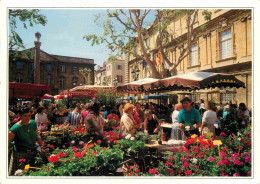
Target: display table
(162,147)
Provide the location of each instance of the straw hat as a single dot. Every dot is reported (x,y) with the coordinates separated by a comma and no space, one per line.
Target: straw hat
(128,106)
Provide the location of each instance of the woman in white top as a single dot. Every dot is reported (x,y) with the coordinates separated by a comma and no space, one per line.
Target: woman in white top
(209,119)
(127,125)
(41,118)
(175,113)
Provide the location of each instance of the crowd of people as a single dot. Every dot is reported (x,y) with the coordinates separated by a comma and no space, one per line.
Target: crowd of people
(26,122)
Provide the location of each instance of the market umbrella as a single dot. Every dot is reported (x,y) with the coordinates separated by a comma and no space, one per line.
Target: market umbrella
(47,96)
(195,80)
(136,86)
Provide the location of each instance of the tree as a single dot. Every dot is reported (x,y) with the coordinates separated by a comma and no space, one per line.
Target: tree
(125,29)
(86,72)
(26,17)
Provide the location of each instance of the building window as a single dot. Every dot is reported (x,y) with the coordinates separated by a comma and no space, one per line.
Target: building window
(49,78)
(120,78)
(62,68)
(19,65)
(74,69)
(62,82)
(194,55)
(74,81)
(19,78)
(226,97)
(225,44)
(48,67)
(119,67)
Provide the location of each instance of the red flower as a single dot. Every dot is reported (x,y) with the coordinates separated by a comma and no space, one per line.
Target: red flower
(115,141)
(152,171)
(226,162)
(198,172)
(104,148)
(249,173)
(62,154)
(168,163)
(51,146)
(91,145)
(137,170)
(48,168)
(94,152)
(185,164)
(103,134)
(222,134)
(83,152)
(77,154)
(99,141)
(189,172)
(53,158)
(129,174)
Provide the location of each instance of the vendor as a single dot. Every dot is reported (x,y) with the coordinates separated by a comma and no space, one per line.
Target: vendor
(151,123)
(189,117)
(127,125)
(24,134)
(41,118)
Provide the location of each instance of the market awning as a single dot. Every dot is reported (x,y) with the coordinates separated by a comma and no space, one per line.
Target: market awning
(195,80)
(86,91)
(27,90)
(136,86)
(47,96)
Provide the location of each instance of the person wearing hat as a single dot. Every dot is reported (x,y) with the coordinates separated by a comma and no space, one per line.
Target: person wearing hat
(127,125)
(189,116)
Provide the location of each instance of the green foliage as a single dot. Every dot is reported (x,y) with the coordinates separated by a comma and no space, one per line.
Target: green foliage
(207,15)
(86,73)
(106,98)
(27,17)
(130,146)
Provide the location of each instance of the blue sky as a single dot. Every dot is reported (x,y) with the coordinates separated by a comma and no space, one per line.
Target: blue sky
(63,34)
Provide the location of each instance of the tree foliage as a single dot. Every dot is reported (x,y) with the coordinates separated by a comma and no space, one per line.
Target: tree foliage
(124,29)
(86,73)
(27,18)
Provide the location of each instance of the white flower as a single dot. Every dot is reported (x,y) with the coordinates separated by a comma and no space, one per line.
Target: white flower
(238,134)
(132,138)
(194,160)
(81,142)
(72,142)
(128,136)
(239,138)
(19,172)
(123,134)
(187,128)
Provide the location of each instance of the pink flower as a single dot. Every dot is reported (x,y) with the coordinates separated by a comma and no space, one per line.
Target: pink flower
(189,172)
(83,152)
(226,162)
(137,170)
(248,159)
(185,164)
(236,174)
(220,163)
(74,148)
(198,172)
(212,159)
(168,163)
(249,173)
(222,154)
(48,168)
(22,160)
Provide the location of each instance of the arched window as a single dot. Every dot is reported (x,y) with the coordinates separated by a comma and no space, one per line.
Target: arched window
(62,82)
(74,81)
(19,77)
(49,78)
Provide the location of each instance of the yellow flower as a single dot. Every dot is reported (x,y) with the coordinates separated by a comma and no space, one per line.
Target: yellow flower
(194,136)
(27,167)
(210,134)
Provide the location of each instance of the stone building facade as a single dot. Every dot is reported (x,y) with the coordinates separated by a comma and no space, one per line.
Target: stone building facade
(225,46)
(58,72)
(111,72)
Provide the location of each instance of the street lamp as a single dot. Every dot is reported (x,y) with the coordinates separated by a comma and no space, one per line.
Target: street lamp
(135,73)
(115,82)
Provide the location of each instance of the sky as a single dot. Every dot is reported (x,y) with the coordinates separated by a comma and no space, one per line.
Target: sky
(63,34)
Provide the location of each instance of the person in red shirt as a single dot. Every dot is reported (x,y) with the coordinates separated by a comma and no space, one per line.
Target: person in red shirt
(138,115)
(113,115)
